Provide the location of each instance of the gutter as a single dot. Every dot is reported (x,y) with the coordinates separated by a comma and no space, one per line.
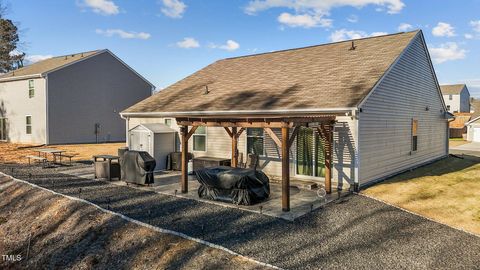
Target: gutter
(237,112)
(19,78)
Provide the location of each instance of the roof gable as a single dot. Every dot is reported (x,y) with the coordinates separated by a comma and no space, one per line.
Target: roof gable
(324,76)
(452,89)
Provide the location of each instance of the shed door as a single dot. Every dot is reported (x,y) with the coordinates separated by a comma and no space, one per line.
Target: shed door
(140,141)
(476,134)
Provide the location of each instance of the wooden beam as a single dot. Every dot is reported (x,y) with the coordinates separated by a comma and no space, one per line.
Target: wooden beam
(234,148)
(228,131)
(190,133)
(184,179)
(285,171)
(240,132)
(273,136)
(293,136)
(237,124)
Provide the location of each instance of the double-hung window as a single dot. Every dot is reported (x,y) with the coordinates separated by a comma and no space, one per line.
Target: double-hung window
(255,141)
(414,135)
(28,124)
(31,89)
(200,139)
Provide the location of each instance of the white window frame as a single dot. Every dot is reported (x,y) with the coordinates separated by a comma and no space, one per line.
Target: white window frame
(450,97)
(206,140)
(246,142)
(31,89)
(414,134)
(28,125)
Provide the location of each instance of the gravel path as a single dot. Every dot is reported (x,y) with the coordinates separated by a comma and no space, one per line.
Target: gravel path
(356,232)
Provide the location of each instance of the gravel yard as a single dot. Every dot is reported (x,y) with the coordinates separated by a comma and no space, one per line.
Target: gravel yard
(49,231)
(355,232)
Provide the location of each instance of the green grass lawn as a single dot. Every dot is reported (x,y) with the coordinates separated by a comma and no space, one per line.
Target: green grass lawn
(447,191)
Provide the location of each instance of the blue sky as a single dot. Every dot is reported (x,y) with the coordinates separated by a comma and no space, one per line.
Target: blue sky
(166,40)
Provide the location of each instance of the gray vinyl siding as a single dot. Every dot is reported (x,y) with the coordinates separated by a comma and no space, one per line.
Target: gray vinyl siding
(465,100)
(92,91)
(385,123)
(15,105)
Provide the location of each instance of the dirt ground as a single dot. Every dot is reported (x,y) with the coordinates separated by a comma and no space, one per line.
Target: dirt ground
(49,231)
(16,153)
(447,191)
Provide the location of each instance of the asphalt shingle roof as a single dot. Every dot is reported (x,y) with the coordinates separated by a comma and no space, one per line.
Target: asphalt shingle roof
(453,89)
(47,65)
(323,76)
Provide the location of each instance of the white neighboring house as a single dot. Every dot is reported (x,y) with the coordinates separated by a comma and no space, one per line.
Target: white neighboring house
(74,98)
(473,126)
(457,98)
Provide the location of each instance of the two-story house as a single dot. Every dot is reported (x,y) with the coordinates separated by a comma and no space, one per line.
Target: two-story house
(457,100)
(74,98)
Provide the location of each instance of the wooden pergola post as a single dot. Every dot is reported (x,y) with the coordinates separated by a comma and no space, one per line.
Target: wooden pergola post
(234,147)
(328,159)
(326,133)
(185,137)
(285,170)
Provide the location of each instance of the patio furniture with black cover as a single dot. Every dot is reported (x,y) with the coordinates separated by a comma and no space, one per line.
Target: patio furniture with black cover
(236,185)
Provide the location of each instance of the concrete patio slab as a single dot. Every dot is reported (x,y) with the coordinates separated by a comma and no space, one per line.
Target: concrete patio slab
(302,201)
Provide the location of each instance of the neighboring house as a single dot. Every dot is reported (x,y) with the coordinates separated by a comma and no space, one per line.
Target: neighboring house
(473,126)
(457,98)
(74,98)
(376,99)
(458,129)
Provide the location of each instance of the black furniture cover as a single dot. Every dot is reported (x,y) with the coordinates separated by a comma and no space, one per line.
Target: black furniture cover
(236,185)
(137,167)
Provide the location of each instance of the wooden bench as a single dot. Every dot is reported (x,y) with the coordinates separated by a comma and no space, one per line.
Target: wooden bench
(37,158)
(66,155)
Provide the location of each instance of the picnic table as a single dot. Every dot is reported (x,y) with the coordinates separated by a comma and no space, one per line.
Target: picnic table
(53,151)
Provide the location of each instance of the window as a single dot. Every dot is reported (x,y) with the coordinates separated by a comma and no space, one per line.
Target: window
(414,135)
(450,97)
(31,89)
(200,139)
(168,122)
(28,120)
(448,107)
(255,141)
(3,129)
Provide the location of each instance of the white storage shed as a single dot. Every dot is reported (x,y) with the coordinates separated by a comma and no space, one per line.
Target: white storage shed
(156,139)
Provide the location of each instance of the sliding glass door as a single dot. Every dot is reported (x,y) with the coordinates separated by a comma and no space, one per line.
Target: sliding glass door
(3,129)
(310,153)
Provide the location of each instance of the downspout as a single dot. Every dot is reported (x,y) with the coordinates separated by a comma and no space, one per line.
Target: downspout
(47,139)
(448,134)
(356,180)
(127,123)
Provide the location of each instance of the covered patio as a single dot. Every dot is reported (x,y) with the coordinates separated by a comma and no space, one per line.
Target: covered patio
(289,125)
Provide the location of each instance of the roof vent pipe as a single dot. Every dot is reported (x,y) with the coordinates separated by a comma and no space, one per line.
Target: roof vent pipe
(353,46)
(206,90)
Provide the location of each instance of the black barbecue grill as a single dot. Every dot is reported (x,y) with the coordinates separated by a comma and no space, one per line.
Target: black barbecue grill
(137,167)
